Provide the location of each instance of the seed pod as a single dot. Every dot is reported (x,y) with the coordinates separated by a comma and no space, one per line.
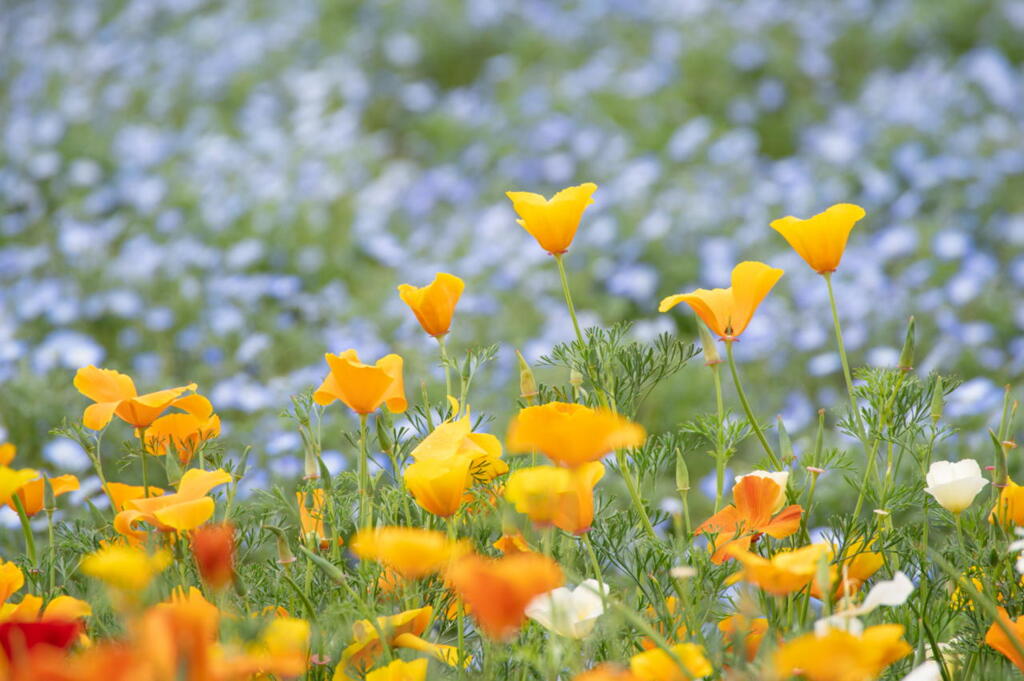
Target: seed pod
(707,342)
(682,474)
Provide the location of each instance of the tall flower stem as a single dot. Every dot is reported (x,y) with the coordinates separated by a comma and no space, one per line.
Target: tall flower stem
(746,407)
(26,528)
(634,493)
(568,297)
(444,363)
(52,547)
(842,355)
(594,564)
(364,475)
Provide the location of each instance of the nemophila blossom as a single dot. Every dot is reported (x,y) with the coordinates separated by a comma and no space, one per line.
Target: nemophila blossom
(125,568)
(1009,508)
(786,571)
(411,552)
(954,484)
(32,494)
(434,304)
(820,240)
(213,547)
(996,638)
(572,434)
(186,431)
(727,311)
(753,512)
(842,656)
(553,222)
(185,509)
(403,630)
(498,591)
(400,670)
(114,394)
(363,388)
(658,665)
(746,631)
(571,613)
(549,495)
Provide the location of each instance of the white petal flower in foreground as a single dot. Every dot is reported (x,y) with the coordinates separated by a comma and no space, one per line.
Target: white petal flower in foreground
(890,592)
(929,671)
(955,484)
(570,613)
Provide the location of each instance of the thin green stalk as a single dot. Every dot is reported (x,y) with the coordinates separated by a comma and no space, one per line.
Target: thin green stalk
(364,475)
(719,445)
(746,407)
(568,297)
(444,363)
(842,355)
(145,477)
(594,564)
(26,528)
(634,493)
(52,572)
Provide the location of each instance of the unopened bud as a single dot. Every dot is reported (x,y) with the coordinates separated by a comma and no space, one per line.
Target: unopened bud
(284,551)
(707,342)
(527,381)
(172,467)
(938,395)
(906,362)
(682,473)
(575,378)
(383,424)
(310,465)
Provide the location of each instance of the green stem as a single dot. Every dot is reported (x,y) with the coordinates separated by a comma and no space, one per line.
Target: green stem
(842,355)
(444,363)
(568,297)
(719,480)
(594,564)
(52,572)
(364,475)
(746,407)
(634,493)
(30,541)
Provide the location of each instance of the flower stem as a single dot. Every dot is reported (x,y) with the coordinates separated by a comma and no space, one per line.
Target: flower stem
(444,363)
(594,563)
(364,475)
(568,298)
(746,408)
(30,541)
(634,493)
(842,355)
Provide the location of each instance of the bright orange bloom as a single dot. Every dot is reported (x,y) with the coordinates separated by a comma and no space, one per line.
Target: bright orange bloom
(403,630)
(121,494)
(32,493)
(434,304)
(787,571)
(498,591)
(213,547)
(511,543)
(31,609)
(186,509)
(11,579)
(657,665)
(997,638)
(1009,508)
(563,497)
(311,515)
(363,387)
(820,240)
(750,514)
(572,434)
(727,311)
(856,566)
(740,628)
(114,393)
(7,452)
(411,552)
(400,670)
(842,656)
(606,672)
(184,431)
(553,222)
(12,480)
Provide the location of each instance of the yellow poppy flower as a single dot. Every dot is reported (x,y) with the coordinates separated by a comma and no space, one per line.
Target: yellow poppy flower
(572,434)
(31,609)
(434,304)
(657,665)
(403,630)
(787,571)
(31,494)
(411,552)
(553,222)
(184,431)
(439,486)
(125,568)
(114,393)
(727,311)
(400,670)
(1009,508)
(820,240)
(186,509)
(562,497)
(121,494)
(842,656)
(363,387)
(7,452)
(746,630)
(12,480)
(11,579)
(311,515)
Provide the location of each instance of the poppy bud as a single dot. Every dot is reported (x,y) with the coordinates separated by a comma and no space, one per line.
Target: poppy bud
(938,395)
(213,547)
(575,378)
(682,474)
(284,551)
(907,355)
(707,342)
(383,424)
(527,382)
(310,465)
(172,467)
(49,501)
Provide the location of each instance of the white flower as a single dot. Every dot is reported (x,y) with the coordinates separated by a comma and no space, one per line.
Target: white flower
(890,592)
(955,484)
(1018,548)
(928,671)
(683,572)
(570,613)
(781,479)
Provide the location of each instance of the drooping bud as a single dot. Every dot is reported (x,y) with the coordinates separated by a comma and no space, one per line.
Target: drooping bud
(906,362)
(527,381)
(682,474)
(785,443)
(383,423)
(284,551)
(707,342)
(938,397)
(213,547)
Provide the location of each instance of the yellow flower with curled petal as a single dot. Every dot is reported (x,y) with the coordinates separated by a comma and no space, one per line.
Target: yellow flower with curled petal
(553,222)
(11,579)
(186,509)
(658,665)
(114,394)
(400,670)
(434,304)
(820,240)
(363,387)
(409,551)
(125,568)
(32,493)
(842,656)
(572,434)
(12,480)
(7,452)
(786,571)
(549,495)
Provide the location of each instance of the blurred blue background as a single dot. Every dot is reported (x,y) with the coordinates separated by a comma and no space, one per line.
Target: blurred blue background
(220,192)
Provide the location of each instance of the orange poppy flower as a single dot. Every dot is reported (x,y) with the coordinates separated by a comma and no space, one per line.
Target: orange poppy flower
(553,222)
(840,655)
(511,543)
(311,515)
(31,494)
(213,547)
(563,497)
(498,591)
(11,579)
(121,494)
(400,670)
(727,311)
(820,240)
(411,552)
(434,304)
(184,431)
(186,509)
(606,672)
(7,452)
(1009,508)
(363,387)
(114,393)
(740,628)
(750,514)
(12,480)
(996,638)
(572,434)
(657,665)
(403,630)
(787,571)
